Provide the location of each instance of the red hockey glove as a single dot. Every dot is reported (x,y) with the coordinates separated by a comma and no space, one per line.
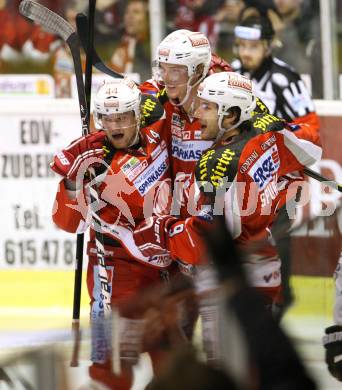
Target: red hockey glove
(218,64)
(81,151)
(150,236)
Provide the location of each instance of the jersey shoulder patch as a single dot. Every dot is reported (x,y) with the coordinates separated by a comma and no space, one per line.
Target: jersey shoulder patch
(162,96)
(217,167)
(265,122)
(151,110)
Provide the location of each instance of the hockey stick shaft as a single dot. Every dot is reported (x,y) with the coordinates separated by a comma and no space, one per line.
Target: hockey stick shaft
(82,29)
(89,54)
(317,176)
(55,24)
(80,237)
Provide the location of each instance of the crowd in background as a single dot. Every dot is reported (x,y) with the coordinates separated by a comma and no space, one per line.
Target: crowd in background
(122,34)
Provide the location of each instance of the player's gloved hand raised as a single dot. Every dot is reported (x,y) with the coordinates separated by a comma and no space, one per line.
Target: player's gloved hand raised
(81,151)
(150,236)
(218,64)
(332,342)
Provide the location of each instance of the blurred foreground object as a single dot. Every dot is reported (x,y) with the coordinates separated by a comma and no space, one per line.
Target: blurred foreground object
(41,369)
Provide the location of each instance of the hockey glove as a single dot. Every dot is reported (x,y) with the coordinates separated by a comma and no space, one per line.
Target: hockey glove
(82,151)
(332,342)
(151,235)
(218,64)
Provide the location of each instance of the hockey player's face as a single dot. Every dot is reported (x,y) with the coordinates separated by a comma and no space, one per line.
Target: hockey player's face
(206,113)
(251,53)
(120,129)
(175,78)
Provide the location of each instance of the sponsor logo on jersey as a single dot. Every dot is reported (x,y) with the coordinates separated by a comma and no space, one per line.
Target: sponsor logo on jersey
(249,161)
(221,167)
(270,192)
(267,144)
(137,170)
(274,275)
(239,81)
(266,122)
(186,135)
(133,167)
(130,164)
(156,152)
(176,131)
(177,125)
(198,134)
(63,159)
(162,260)
(188,150)
(176,121)
(152,174)
(265,167)
(148,107)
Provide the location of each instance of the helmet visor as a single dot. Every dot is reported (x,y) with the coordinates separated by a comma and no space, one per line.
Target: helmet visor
(118,121)
(172,75)
(204,109)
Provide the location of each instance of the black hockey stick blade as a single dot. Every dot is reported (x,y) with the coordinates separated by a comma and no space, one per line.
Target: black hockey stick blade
(82,29)
(55,24)
(317,176)
(46,18)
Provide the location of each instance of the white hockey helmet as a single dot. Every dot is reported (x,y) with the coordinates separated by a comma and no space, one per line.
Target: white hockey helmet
(184,47)
(187,48)
(116,97)
(227,90)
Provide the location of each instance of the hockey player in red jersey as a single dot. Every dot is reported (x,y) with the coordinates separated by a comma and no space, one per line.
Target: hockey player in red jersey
(285,94)
(183,59)
(237,176)
(131,163)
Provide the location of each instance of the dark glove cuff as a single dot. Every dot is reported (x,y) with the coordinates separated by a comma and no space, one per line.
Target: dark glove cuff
(333,334)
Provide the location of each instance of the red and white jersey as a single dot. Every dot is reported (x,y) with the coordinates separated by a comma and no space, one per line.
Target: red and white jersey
(244,177)
(184,139)
(134,184)
(186,148)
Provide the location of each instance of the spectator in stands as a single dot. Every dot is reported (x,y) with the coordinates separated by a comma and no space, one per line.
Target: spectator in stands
(300,37)
(24,47)
(63,66)
(229,15)
(132,55)
(200,15)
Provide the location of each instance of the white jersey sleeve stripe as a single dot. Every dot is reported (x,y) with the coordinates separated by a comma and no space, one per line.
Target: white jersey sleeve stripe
(305,152)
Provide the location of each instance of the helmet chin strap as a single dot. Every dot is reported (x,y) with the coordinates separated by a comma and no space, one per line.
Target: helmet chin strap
(136,138)
(189,88)
(223,130)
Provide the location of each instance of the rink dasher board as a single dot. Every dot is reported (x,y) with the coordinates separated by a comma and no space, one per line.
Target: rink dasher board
(33,133)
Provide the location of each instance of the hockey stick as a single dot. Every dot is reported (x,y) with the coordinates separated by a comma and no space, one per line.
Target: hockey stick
(55,24)
(82,29)
(317,176)
(80,237)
